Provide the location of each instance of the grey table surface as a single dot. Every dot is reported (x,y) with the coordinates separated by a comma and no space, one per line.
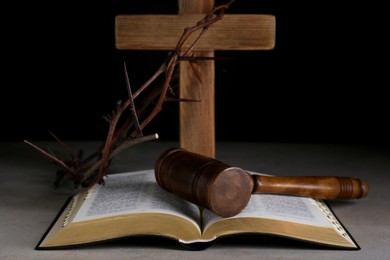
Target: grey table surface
(29,203)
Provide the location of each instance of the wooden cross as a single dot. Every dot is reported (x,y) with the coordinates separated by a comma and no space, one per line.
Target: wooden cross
(161,32)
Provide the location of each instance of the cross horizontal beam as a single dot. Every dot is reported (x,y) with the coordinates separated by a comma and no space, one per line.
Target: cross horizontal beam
(162,32)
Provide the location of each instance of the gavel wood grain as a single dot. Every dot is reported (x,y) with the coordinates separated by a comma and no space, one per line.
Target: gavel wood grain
(226,189)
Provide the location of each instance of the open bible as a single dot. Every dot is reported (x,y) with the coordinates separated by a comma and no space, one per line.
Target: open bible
(133,204)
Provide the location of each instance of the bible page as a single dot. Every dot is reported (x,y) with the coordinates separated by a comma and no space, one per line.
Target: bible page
(134,192)
(280,207)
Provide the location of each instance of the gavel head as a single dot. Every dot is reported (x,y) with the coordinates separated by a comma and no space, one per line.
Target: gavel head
(204,181)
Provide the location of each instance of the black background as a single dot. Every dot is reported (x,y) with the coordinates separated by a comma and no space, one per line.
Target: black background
(325,81)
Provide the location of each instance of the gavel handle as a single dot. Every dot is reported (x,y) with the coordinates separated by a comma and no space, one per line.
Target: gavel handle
(313,186)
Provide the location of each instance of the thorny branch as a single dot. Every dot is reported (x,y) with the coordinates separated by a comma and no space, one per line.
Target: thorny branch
(129,133)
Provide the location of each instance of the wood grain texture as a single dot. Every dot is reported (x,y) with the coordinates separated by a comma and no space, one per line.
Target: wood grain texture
(197,119)
(319,187)
(161,32)
(197,127)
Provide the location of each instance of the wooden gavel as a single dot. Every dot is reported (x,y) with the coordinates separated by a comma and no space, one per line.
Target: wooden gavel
(226,189)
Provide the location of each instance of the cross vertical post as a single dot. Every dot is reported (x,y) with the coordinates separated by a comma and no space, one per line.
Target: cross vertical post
(197,119)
